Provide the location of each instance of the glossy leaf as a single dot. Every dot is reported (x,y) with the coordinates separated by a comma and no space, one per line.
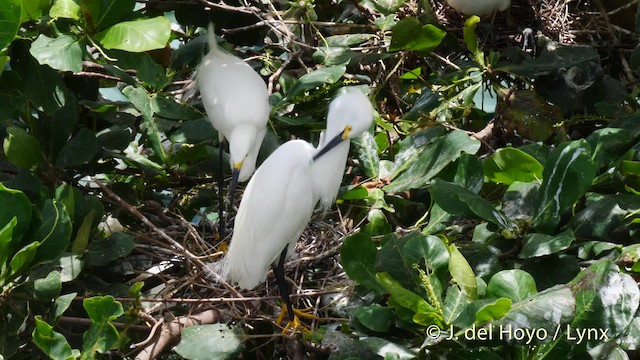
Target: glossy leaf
(47,288)
(385,6)
(358,257)
(140,99)
(168,108)
(419,169)
(410,34)
(62,303)
(519,201)
(6,237)
(461,202)
(23,258)
(102,251)
(471,39)
(508,165)
(102,336)
(22,149)
(15,204)
(462,273)
(79,150)
(327,75)
(52,343)
(567,176)
(54,232)
(409,300)
(542,244)
(375,317)
(63,53)
(493,310)
(608,216)
(561,57)
(9,22)
(215,341)
(137,35)
(513,284)
(368,154)
(454,304)
(104,13)
(81,241)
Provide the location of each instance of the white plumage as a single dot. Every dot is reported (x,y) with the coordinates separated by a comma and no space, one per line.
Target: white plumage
(280,197)
(236,100)
(479,7)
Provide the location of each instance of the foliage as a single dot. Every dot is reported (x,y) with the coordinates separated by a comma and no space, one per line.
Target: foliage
(516,245)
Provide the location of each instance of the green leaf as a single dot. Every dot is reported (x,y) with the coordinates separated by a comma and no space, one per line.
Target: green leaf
(15,204)
(410,34)
(6,237)
(461,202)
(70,267)
(454,304)
(103,251)
(79,150)
(23,258)
(368,154)
(66,194)
(518,202)
(53,344)
(471,40)
(358,257)
(103,13)
(552,60)
(63,53)
(169,109)
(508,165)
(608,145)
(82,236)
(54,232)
(514,284)
(334,55)
(22,149)
(385,7)
(546,310)
(9,22)
(102,336)
(33,9)
(409,300)
(62,303)
(567,174)
(492,309)
(138,35)
(348,39)
(147,70)
(140,99)
(68,9)
(375,317)
(48,288)
(422,165)
(462,273)
(215,341)
(327,75)
(541,244)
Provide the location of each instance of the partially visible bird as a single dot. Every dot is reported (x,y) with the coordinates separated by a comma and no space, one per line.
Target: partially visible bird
(236,100)
(479,7)
(281,196)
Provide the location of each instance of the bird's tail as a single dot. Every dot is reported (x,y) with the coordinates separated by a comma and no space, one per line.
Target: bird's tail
(218,271)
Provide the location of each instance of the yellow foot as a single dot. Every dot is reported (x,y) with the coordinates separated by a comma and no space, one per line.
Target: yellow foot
(221,249)
(295,326)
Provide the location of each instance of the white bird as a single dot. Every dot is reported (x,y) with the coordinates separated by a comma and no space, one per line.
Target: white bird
(479,7)
(236,100)
(280,197)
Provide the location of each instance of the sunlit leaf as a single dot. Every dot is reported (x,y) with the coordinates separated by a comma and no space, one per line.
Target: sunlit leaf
(462,273)
(410,34)
(509,164)
(514,284)
(215,341)
(138,35)
(9,22)
(63,53)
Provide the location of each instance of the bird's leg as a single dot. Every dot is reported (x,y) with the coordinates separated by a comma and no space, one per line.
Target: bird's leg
(222,224)
(294,323)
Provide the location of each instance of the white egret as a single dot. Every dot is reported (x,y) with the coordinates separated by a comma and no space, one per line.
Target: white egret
(280,197)
(236,100)
(479,7)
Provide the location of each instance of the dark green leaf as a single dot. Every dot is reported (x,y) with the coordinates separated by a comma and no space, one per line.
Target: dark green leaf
(15,204)
(81,241)
(9,22)
(22,149)
(215,341)
(509,164)
(567,176)
(23,258)
(54,232)
(48,288)
(137,35)
(6,237)
(549,61)
(63,53)
(348,39)
(103,13)
(514,284)
(114,138)
(469,173)
(62,303)
(518,202)
(147,70)
(168,108)
(608,145)
(334,55)
(416,171)
(79,150)
(327,75)
(410,34)
(358,257)
(103,251)
(461,202)
(53,344)
(375,317)
(140,99)
(542,244)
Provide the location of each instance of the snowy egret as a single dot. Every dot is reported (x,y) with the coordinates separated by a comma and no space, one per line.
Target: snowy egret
(479,7)
(280,197)
(236,100)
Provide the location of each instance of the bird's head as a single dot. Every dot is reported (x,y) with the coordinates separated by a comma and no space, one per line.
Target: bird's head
(350,114)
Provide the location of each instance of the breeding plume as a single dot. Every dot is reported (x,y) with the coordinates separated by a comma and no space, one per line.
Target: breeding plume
(280,197)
